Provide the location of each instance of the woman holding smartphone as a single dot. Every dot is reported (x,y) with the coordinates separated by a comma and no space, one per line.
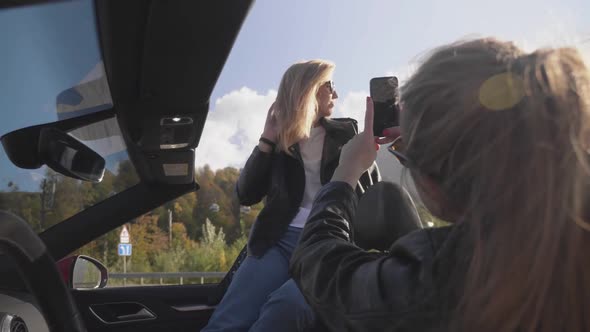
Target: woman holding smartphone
(496,140)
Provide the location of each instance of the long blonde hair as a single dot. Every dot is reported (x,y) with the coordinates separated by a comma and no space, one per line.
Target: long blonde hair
(506,135)
(296,106)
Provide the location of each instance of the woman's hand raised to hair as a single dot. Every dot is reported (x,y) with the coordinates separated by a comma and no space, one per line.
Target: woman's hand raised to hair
(270,131)
(359,153)
(270,126)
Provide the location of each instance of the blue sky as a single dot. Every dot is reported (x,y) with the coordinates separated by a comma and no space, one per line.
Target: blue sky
(51,48)
(365,39)
(371,37)
(46,50)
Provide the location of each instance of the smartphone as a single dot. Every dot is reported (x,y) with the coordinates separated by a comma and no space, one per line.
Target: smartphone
(384,92)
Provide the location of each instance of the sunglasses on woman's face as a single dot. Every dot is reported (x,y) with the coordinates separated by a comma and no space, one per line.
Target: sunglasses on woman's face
(398,149)
(330,85)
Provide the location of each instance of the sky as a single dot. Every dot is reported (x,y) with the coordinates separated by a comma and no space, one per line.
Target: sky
(46,49)
(364,38)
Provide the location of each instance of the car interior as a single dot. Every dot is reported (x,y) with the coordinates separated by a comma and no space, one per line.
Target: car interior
(162,60)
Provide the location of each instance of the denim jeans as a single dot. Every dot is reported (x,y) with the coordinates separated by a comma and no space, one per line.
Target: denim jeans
(262,296)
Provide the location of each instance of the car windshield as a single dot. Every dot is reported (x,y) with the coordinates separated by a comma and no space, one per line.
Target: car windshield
(53,71)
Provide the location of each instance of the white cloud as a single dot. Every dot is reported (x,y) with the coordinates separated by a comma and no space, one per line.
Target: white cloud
(237,120)
(233,128)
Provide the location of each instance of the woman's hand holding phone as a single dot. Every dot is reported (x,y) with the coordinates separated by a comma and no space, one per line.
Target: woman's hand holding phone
(359,153)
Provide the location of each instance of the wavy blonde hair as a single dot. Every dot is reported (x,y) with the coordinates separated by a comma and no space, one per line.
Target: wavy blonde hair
(296,106)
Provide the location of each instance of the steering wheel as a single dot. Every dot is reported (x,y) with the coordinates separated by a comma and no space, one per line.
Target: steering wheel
(40,274)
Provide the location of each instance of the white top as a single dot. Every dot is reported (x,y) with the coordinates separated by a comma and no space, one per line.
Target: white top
(311,153)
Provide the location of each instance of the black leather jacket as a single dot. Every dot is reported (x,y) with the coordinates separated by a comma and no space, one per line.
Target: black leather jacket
(281,178)
(408,288)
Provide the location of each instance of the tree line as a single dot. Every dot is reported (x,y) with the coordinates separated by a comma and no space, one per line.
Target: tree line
(200,231)
(208,227)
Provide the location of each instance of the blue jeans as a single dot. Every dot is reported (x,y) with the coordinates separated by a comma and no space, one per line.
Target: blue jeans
(262,296)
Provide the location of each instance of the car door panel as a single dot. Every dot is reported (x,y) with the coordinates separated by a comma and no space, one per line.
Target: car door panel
(146,308)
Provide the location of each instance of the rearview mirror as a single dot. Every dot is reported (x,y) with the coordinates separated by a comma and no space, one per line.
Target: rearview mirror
(66,155)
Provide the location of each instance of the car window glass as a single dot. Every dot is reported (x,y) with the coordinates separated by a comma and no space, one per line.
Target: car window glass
(192,239)
(44,198)
(365,39)
(52,70)
(203,232)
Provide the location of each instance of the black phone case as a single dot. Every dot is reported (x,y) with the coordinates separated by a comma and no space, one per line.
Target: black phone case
(386,114)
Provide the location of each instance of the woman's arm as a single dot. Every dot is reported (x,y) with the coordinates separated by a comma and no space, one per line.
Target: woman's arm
(348,287)
(254,179)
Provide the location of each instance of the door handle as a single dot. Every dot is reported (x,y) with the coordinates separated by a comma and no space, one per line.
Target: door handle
(140,315)
(121,312)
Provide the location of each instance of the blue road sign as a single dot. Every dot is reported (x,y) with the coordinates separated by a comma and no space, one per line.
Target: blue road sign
(124,249)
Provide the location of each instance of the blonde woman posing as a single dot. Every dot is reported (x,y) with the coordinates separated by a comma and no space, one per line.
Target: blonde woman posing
(298,152)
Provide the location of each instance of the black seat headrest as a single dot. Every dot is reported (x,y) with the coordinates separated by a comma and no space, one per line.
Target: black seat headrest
(385,213)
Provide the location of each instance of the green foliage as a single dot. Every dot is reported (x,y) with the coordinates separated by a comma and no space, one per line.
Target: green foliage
(235,248)
(202,239)
(210,253)
(174,258)
(199,239)
(25,205)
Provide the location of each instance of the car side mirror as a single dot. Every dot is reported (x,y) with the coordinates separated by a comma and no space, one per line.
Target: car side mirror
(66,155)
(83,272)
